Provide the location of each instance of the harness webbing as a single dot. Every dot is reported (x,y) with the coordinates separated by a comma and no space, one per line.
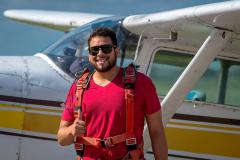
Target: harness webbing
(129,78)
(82,84)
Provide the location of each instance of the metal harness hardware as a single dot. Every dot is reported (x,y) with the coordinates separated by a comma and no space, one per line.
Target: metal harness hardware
(107,142)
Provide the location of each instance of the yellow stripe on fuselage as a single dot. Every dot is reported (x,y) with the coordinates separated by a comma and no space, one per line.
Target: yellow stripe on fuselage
(43,120)
(30,108)
(207,126)
(204,142)
(11,119)
(35,122)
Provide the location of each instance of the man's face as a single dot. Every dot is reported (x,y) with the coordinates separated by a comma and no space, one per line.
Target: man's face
(103,61)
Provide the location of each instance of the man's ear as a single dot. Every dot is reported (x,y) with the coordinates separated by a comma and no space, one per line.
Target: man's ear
(117,50)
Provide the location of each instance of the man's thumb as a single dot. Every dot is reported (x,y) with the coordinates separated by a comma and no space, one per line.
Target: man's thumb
(79,114)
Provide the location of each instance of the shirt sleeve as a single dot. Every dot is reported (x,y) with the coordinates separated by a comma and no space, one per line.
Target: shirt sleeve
(149,92)
(68,112)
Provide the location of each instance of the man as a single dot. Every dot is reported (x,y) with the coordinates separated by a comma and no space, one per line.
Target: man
(104,110)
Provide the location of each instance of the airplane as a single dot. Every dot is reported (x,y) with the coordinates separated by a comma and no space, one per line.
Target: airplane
(191,54)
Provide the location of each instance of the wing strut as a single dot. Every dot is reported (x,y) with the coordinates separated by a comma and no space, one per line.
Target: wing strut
(214,43)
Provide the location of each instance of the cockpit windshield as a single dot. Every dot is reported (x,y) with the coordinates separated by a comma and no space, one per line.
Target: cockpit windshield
(71,52)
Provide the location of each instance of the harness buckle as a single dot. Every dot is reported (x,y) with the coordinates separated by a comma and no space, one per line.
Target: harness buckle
(129,75)
(83,81)
(79,146)
(131,144)
(79,149)
(131,141)
(106,142)
(82,84)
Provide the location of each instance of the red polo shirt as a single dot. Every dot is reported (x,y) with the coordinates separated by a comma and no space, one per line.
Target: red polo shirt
(104,112)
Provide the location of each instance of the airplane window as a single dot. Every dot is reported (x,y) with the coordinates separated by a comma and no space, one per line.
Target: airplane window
(219,84)
(166,68)
(169,65)
(71,52)
(208,84)
(233,85)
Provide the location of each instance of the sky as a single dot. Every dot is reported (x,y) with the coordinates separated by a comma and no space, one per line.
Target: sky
(23,39)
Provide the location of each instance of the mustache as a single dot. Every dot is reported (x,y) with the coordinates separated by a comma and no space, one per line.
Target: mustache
(100,57)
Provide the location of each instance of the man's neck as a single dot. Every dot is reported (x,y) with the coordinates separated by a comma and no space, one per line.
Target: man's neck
(103,78)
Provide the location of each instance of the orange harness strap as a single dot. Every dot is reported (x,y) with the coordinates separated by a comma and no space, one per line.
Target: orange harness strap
(82,84)
(129,78)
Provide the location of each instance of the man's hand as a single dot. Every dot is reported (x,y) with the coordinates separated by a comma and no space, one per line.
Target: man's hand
(78,126)
(68,131)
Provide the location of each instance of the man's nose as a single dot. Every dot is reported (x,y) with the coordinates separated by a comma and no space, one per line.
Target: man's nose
(100,51)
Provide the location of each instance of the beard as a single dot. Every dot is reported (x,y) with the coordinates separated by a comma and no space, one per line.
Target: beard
(109,64)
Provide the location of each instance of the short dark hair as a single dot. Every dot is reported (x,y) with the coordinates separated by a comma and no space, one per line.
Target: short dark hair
(104,32)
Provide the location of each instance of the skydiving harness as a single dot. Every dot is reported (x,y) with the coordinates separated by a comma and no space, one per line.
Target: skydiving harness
(134,149)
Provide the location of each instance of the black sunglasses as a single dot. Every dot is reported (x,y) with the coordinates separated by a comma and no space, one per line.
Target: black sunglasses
(106,48)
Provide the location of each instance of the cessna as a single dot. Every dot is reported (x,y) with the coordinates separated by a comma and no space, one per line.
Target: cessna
(191,54)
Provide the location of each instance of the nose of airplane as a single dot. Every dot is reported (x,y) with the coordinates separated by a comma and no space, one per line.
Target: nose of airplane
(31,77)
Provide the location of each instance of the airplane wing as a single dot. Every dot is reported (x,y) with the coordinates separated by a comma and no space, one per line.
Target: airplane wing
(58,20)
(192,24)
(224,15)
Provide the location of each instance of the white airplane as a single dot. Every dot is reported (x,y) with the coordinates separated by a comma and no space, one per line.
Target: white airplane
(191,54)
